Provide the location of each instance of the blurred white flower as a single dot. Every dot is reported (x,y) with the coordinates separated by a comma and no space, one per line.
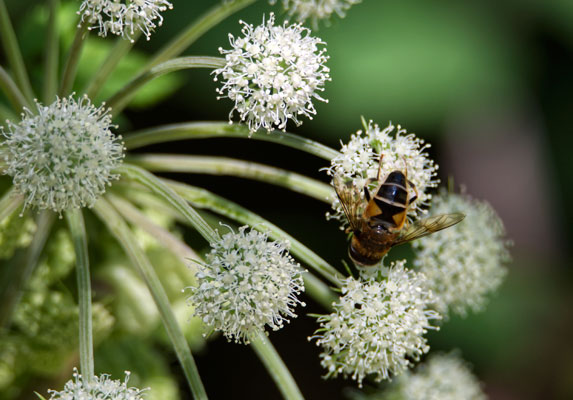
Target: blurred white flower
(100,388)
(63,155)
(316,10)
(359,159)
(246,283)
(273,73)
(465,262)
(376,328)
(123,18)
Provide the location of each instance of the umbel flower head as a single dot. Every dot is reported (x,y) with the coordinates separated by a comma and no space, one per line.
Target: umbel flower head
(376,328)
(100,388)
(359,160)
(443,376)
(273,73)
(246,283)
(465,262)
(316,10)
(63,155)
(123,18)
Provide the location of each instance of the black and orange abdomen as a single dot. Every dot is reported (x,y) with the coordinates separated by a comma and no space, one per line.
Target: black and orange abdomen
(387,209)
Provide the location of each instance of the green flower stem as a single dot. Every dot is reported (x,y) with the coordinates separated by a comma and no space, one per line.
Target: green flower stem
(51,55)
(234,167)
(123,234)
(275,365)
(195,30)
(6,113)
(202,198)
(165,192)
(12,91)
(199,130)
(162,235)
(9,202)
(13,54)
(120,49)
(77,228)
(119,100)
(71,66)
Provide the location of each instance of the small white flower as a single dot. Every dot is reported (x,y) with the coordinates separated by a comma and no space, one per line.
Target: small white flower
(359,159)
(465,262)
(272,74)
(442,377)
(101,388)
(62,156)
(316,10)
(246,283)
(377,328)
(123,18)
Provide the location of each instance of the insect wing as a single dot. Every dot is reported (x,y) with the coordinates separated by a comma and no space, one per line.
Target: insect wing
(428,226)
(350,201)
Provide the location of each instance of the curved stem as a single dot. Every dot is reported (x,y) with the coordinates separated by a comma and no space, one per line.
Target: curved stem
(200,130)
(275,365)
(123,234)
(51,55)
(71,67)
(9,202)
(13,54)
(12,91)
(119,100)
(165,192)
(77,228)
(229,166)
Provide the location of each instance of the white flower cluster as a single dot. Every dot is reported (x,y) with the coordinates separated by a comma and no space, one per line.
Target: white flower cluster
(273,73)
(377,327)
(123,19)
(101,388)
(316,10)
(359,160)
(442,377)
(62,156)
(465,262)
(246,283)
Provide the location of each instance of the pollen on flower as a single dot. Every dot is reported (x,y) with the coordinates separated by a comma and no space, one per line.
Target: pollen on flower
(376,328)
(63,155)
(467,261)
(247,282)
(100,387)
(272,74)
(123,18)
(359,160)
(316,10)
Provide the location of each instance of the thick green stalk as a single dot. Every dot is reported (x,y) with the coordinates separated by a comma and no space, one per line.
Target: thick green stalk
(13,54)
(51,55)
(275,365)
(77,228)
(12,92)
(233,167)
(119,100)
(199,130)
(120,49)
(165,192)
(9,202)
(71,66)
(123,234)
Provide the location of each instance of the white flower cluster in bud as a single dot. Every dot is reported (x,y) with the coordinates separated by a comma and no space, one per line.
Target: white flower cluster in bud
(62,156)
(466,261)
(359,160)
(377,328)
(272,74)
(444,377)
(247,282)
(100,387)
(316,10)
(123,18)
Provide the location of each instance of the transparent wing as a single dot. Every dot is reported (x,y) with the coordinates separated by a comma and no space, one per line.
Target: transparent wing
(350,201)
(428,226)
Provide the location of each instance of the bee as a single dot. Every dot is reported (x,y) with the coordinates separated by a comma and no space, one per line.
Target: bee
(379,222)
